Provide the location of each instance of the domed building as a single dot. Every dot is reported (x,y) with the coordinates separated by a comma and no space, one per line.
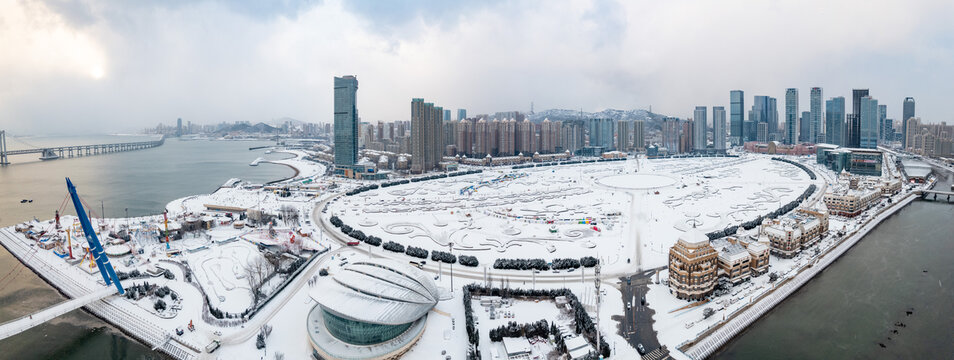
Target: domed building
(370,309)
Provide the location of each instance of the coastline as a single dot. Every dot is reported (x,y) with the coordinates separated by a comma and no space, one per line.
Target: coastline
(711,340)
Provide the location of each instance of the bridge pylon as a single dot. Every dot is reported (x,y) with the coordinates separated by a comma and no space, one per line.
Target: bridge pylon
(3,148)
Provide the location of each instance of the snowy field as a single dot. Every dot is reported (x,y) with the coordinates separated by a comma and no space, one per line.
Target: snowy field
(595,209)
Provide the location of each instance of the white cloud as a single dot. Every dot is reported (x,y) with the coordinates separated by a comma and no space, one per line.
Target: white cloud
(211,61)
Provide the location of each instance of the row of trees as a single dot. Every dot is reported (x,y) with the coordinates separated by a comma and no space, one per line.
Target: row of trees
(393,246)
(811,174)
(468,260)
(535,329)
(540,264)
(416,252)
(748,225)
(362,189)
(443,256)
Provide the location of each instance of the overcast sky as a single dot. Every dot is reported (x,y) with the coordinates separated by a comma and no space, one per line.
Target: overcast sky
(118,66)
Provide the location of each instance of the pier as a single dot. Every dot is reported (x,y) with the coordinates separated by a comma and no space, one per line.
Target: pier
(56,152)
(25,323)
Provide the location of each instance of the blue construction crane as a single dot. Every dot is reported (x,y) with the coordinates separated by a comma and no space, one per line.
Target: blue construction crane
(96,250)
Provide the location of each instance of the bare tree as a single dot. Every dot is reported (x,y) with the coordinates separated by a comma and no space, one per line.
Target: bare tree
(256,271)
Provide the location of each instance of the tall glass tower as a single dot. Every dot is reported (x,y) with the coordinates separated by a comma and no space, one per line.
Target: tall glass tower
(791,115)
(835,121)
(816,127)
(737,117)
(869,123)
(346,120)
(908,112)
(699,120)
(718,128)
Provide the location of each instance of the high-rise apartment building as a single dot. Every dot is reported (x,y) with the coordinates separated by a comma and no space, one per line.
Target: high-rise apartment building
(639,135)
(671,130)
(718,128)
(817,116)
(791,116)
(624,131)
(869,123)
(346,122)
(573,135)
(699,120)
(907,113)
(737,118)
(549,136)
(427,141)
(835,121)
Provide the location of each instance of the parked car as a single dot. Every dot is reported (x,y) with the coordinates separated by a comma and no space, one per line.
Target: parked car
(641,349)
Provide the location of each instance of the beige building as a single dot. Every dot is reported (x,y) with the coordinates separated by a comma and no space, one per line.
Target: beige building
(735,263)
(851,202)
(693,266)
(796,231)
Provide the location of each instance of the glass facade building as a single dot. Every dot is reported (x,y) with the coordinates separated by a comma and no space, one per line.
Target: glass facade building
(346,121)
(869,123)
(791,115)
(736,117)
(360,333)
(835,121)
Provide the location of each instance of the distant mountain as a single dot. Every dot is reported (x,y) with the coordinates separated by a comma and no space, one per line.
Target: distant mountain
(281,121)
(250,129)
(652,119)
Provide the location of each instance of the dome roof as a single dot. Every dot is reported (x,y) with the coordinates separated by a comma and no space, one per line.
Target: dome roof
(377,291)
(693,238)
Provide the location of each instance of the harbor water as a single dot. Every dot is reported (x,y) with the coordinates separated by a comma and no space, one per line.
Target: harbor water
(142,181)
(858,307)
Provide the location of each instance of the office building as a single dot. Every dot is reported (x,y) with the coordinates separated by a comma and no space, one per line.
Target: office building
(736,117)
(346,123)
(179,127)
(718,128)
(699,121)
(804,127)
(602,133)
(817,115)
(869,123)
(791,115)
(671,130)
(461,114)
(835,121)
(907,113)
(762,134)
(882,116)
(764,110)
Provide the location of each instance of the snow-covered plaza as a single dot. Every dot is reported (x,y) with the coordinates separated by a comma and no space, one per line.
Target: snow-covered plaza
(626,212)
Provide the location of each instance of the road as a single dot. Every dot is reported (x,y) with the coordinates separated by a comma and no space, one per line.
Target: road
(637,325)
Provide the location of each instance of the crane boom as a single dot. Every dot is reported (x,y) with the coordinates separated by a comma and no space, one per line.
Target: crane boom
(96,250)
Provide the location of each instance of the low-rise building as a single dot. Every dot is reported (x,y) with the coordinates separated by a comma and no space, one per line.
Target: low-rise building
(791,233)
(735,263)
(850,202)
(758,258)
(693,266)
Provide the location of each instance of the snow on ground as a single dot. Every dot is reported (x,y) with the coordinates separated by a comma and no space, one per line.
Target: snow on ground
(590,209)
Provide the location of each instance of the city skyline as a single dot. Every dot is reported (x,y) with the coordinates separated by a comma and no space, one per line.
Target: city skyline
(88,58)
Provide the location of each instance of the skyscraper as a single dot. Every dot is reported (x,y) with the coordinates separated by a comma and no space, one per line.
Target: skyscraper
(791,115)
(179,127)
(815,106)
(835,121)
(869,123)
(624,131)
(549,136)
(882,116)
(670,134)
(764,110)
(718,128)
(601,132)
(907,113)
(804,127)
(461,114)
(699,120)
(346,122)
(854,119)
(639,135)
(447,115)
(737,118)
(427,143)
